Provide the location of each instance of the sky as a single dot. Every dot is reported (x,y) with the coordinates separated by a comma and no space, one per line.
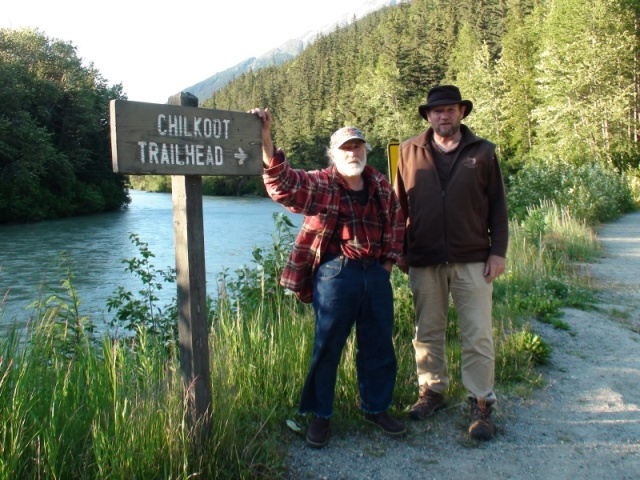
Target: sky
(157,48)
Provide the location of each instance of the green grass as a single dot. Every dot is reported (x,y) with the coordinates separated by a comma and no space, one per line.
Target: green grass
(74,405)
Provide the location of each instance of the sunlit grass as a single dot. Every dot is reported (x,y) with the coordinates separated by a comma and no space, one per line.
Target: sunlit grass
(545,255)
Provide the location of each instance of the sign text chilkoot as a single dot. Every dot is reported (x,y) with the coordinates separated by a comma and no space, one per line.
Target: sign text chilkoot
(154,139)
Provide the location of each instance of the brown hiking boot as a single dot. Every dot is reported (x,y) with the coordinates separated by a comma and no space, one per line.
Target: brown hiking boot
(318,432)
(482,427)
(428,404)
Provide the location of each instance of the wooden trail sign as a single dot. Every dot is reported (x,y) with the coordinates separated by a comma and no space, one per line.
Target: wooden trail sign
(187,142)
(154,139)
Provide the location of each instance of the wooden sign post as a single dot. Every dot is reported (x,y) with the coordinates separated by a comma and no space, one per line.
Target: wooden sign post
(187,142)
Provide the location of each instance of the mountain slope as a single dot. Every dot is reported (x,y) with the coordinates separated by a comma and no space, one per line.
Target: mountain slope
(285,52)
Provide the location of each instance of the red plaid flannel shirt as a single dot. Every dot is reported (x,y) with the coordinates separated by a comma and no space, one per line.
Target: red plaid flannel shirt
(316,195)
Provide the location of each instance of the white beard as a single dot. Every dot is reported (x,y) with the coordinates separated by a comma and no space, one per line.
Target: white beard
(351,169)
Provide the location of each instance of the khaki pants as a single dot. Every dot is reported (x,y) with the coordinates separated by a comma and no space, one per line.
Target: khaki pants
(472,297)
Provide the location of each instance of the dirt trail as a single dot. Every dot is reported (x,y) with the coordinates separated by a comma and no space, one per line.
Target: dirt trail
(585,424)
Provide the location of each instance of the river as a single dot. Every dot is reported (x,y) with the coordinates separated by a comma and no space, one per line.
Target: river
(97,244)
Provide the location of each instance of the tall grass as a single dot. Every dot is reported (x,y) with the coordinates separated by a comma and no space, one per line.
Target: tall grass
(546,250)
(74,405)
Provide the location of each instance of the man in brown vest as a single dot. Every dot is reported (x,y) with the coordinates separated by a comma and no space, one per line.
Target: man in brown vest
(451,190)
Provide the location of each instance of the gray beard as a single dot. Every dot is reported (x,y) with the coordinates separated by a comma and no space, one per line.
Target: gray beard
(351,170)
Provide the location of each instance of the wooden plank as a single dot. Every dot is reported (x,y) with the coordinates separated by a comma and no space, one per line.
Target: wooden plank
(156,139)
(193,333)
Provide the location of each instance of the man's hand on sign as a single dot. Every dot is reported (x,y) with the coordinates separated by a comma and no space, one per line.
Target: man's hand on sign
(268,150)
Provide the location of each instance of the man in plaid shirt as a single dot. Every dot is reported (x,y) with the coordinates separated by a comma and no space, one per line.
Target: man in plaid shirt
(341,263)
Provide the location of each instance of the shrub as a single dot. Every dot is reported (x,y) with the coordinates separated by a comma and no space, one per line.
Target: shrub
(632,179)
(592,192)
(142,309)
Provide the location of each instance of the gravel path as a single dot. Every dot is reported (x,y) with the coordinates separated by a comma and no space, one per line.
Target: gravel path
(584,424)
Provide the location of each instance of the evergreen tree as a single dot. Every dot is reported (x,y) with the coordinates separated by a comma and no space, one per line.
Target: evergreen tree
(586,84)
(517,76)
(471,69)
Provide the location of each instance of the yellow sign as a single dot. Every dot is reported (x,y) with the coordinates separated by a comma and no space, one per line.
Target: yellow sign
(392,159)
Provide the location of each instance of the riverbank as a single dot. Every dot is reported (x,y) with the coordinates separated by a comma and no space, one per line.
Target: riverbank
(585,422)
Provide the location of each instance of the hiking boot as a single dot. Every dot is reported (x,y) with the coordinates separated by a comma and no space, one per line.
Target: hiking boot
(428,404)
(482,427)
(318,432)
(387,423)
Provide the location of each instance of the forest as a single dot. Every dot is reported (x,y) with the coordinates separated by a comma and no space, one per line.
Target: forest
(55,151)
(554,85)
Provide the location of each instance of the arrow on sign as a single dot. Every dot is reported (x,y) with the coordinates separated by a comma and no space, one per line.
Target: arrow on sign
(241,156)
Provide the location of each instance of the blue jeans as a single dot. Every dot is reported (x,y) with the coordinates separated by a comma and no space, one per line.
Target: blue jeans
(348,292)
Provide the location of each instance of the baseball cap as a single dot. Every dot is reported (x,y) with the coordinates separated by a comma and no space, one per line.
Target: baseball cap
(343,135)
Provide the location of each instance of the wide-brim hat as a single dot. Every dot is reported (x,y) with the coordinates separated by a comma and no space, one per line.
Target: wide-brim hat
(444,95)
